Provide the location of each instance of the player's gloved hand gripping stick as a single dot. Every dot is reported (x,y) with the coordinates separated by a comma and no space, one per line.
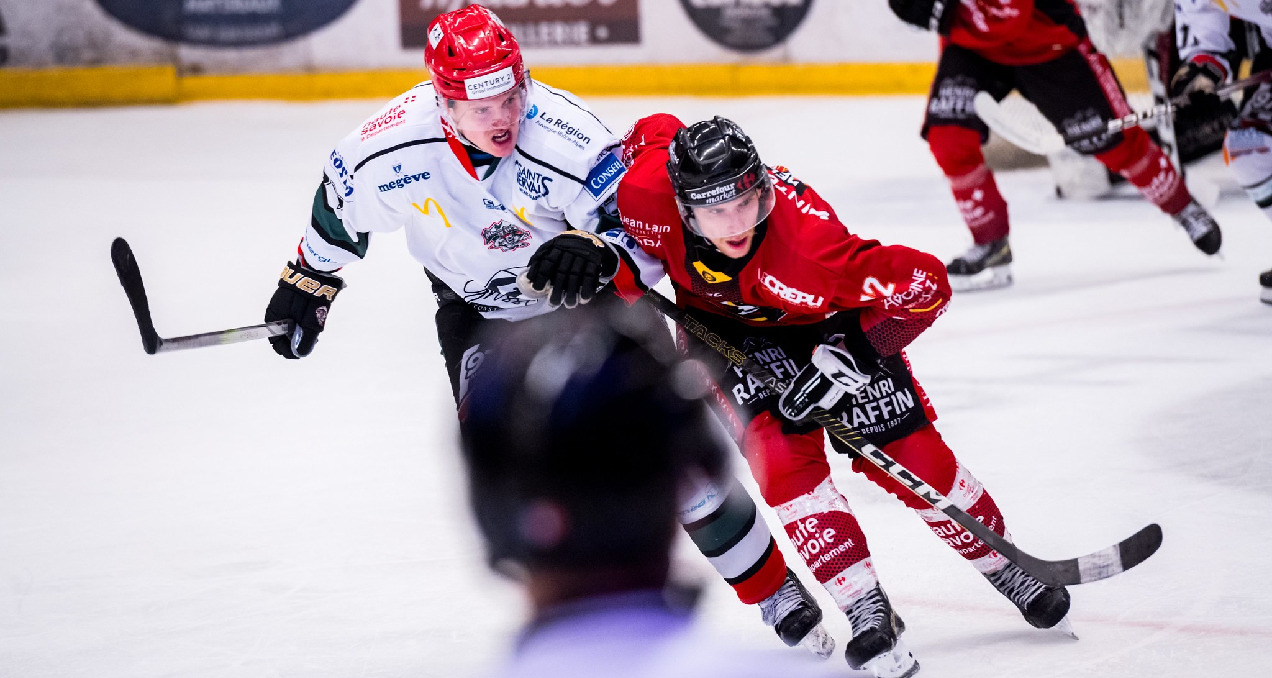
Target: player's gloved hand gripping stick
(1035,134)
(819,384)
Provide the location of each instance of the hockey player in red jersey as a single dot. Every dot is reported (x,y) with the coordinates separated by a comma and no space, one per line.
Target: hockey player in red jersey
(764,263)
(482,143)
(1041,49)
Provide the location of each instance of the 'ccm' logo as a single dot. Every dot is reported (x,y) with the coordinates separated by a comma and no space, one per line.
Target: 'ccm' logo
(307,285)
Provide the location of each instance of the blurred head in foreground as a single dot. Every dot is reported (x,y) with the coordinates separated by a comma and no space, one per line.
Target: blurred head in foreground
(580,430)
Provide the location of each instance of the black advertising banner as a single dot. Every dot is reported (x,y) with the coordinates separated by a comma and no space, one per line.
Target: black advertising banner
(747,25)
(4,48)
(537,23)
(226,23)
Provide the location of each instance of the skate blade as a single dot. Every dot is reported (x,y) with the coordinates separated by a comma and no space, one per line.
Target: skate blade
(897,663)
(1065,627)
(819,642)
(991,278)
(1266,295)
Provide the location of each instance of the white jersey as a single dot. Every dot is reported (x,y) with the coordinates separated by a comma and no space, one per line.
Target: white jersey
(1201,26)
(401,170)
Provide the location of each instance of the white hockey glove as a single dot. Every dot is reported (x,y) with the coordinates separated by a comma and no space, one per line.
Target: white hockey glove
(832,374)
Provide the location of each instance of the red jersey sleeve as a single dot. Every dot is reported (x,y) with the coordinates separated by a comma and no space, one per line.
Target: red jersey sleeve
(899,290)
(986,22)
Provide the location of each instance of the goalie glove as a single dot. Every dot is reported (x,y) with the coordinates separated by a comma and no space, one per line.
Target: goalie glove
(569,269)
(1196,81)
(303,296)
(832,374)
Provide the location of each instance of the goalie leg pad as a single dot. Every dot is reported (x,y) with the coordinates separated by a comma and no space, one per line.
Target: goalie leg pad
(1248,152)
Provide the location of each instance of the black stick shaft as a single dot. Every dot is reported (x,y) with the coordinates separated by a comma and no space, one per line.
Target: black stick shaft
(129,273)
(1091,567)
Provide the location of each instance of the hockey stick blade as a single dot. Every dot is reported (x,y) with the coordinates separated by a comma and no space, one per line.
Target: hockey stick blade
(129,273)
(130,277)
(1091,567)
(1038,142)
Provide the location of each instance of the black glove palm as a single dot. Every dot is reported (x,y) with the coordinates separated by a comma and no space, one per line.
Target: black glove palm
(303,296)
(1195,83)
(570,268)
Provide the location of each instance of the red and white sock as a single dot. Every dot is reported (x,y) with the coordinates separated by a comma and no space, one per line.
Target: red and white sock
(969,495)
(827,536)
(982,206)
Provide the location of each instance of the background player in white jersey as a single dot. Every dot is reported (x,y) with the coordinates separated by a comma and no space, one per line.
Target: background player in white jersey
(480,167)
(1201,32)
(588,534)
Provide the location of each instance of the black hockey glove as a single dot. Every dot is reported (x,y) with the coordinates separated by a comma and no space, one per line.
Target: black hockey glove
(832,374)
(303,296)
(570,268)
(930,15)
(1196,81)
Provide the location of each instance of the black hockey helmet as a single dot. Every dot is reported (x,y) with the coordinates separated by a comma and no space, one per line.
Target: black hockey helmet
(714,162)
(579,429)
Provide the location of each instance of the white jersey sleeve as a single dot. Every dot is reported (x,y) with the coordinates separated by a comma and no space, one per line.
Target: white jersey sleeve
(346,210)
(1201,27)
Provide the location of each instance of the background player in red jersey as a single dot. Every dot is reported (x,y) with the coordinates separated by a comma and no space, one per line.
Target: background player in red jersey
(768,267)
(1041,49)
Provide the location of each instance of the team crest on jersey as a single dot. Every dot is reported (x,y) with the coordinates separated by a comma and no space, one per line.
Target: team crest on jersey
(709,275)
(531,183)
(505,236)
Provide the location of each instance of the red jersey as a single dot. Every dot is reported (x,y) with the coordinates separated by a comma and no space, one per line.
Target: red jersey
(1017,32)
(804,264)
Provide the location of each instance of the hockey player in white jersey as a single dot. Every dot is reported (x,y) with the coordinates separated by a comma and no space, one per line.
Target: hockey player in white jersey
(1201,33)
(479,167)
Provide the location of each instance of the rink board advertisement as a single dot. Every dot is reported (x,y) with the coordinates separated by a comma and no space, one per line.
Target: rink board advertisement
(226,36)
(226,23)
(313,49)
(747,25)
(578,23)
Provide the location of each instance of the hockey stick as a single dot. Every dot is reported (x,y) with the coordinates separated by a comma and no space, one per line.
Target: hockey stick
(1042,138)
(1101,564)
(130,277)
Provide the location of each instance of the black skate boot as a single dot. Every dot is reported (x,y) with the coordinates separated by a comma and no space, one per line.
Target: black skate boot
(876,644)
(1201,227)
(1043,606)
(1265,285)
(796,617)
(983,267)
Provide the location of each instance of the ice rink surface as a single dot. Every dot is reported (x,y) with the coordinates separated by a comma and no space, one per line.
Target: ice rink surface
(225,513)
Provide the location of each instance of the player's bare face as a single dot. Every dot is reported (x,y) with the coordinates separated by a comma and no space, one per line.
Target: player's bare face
(730,226)
(491,124)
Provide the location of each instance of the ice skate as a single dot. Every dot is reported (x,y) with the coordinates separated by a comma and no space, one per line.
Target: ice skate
(796,617)
(1043,606)
(1201,227)
(876,644)
(1265,286)
(983,267)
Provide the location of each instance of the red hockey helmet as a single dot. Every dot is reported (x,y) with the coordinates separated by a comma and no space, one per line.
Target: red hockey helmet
(472,55)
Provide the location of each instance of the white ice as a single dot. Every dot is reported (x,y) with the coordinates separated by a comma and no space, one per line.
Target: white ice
(223,513)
